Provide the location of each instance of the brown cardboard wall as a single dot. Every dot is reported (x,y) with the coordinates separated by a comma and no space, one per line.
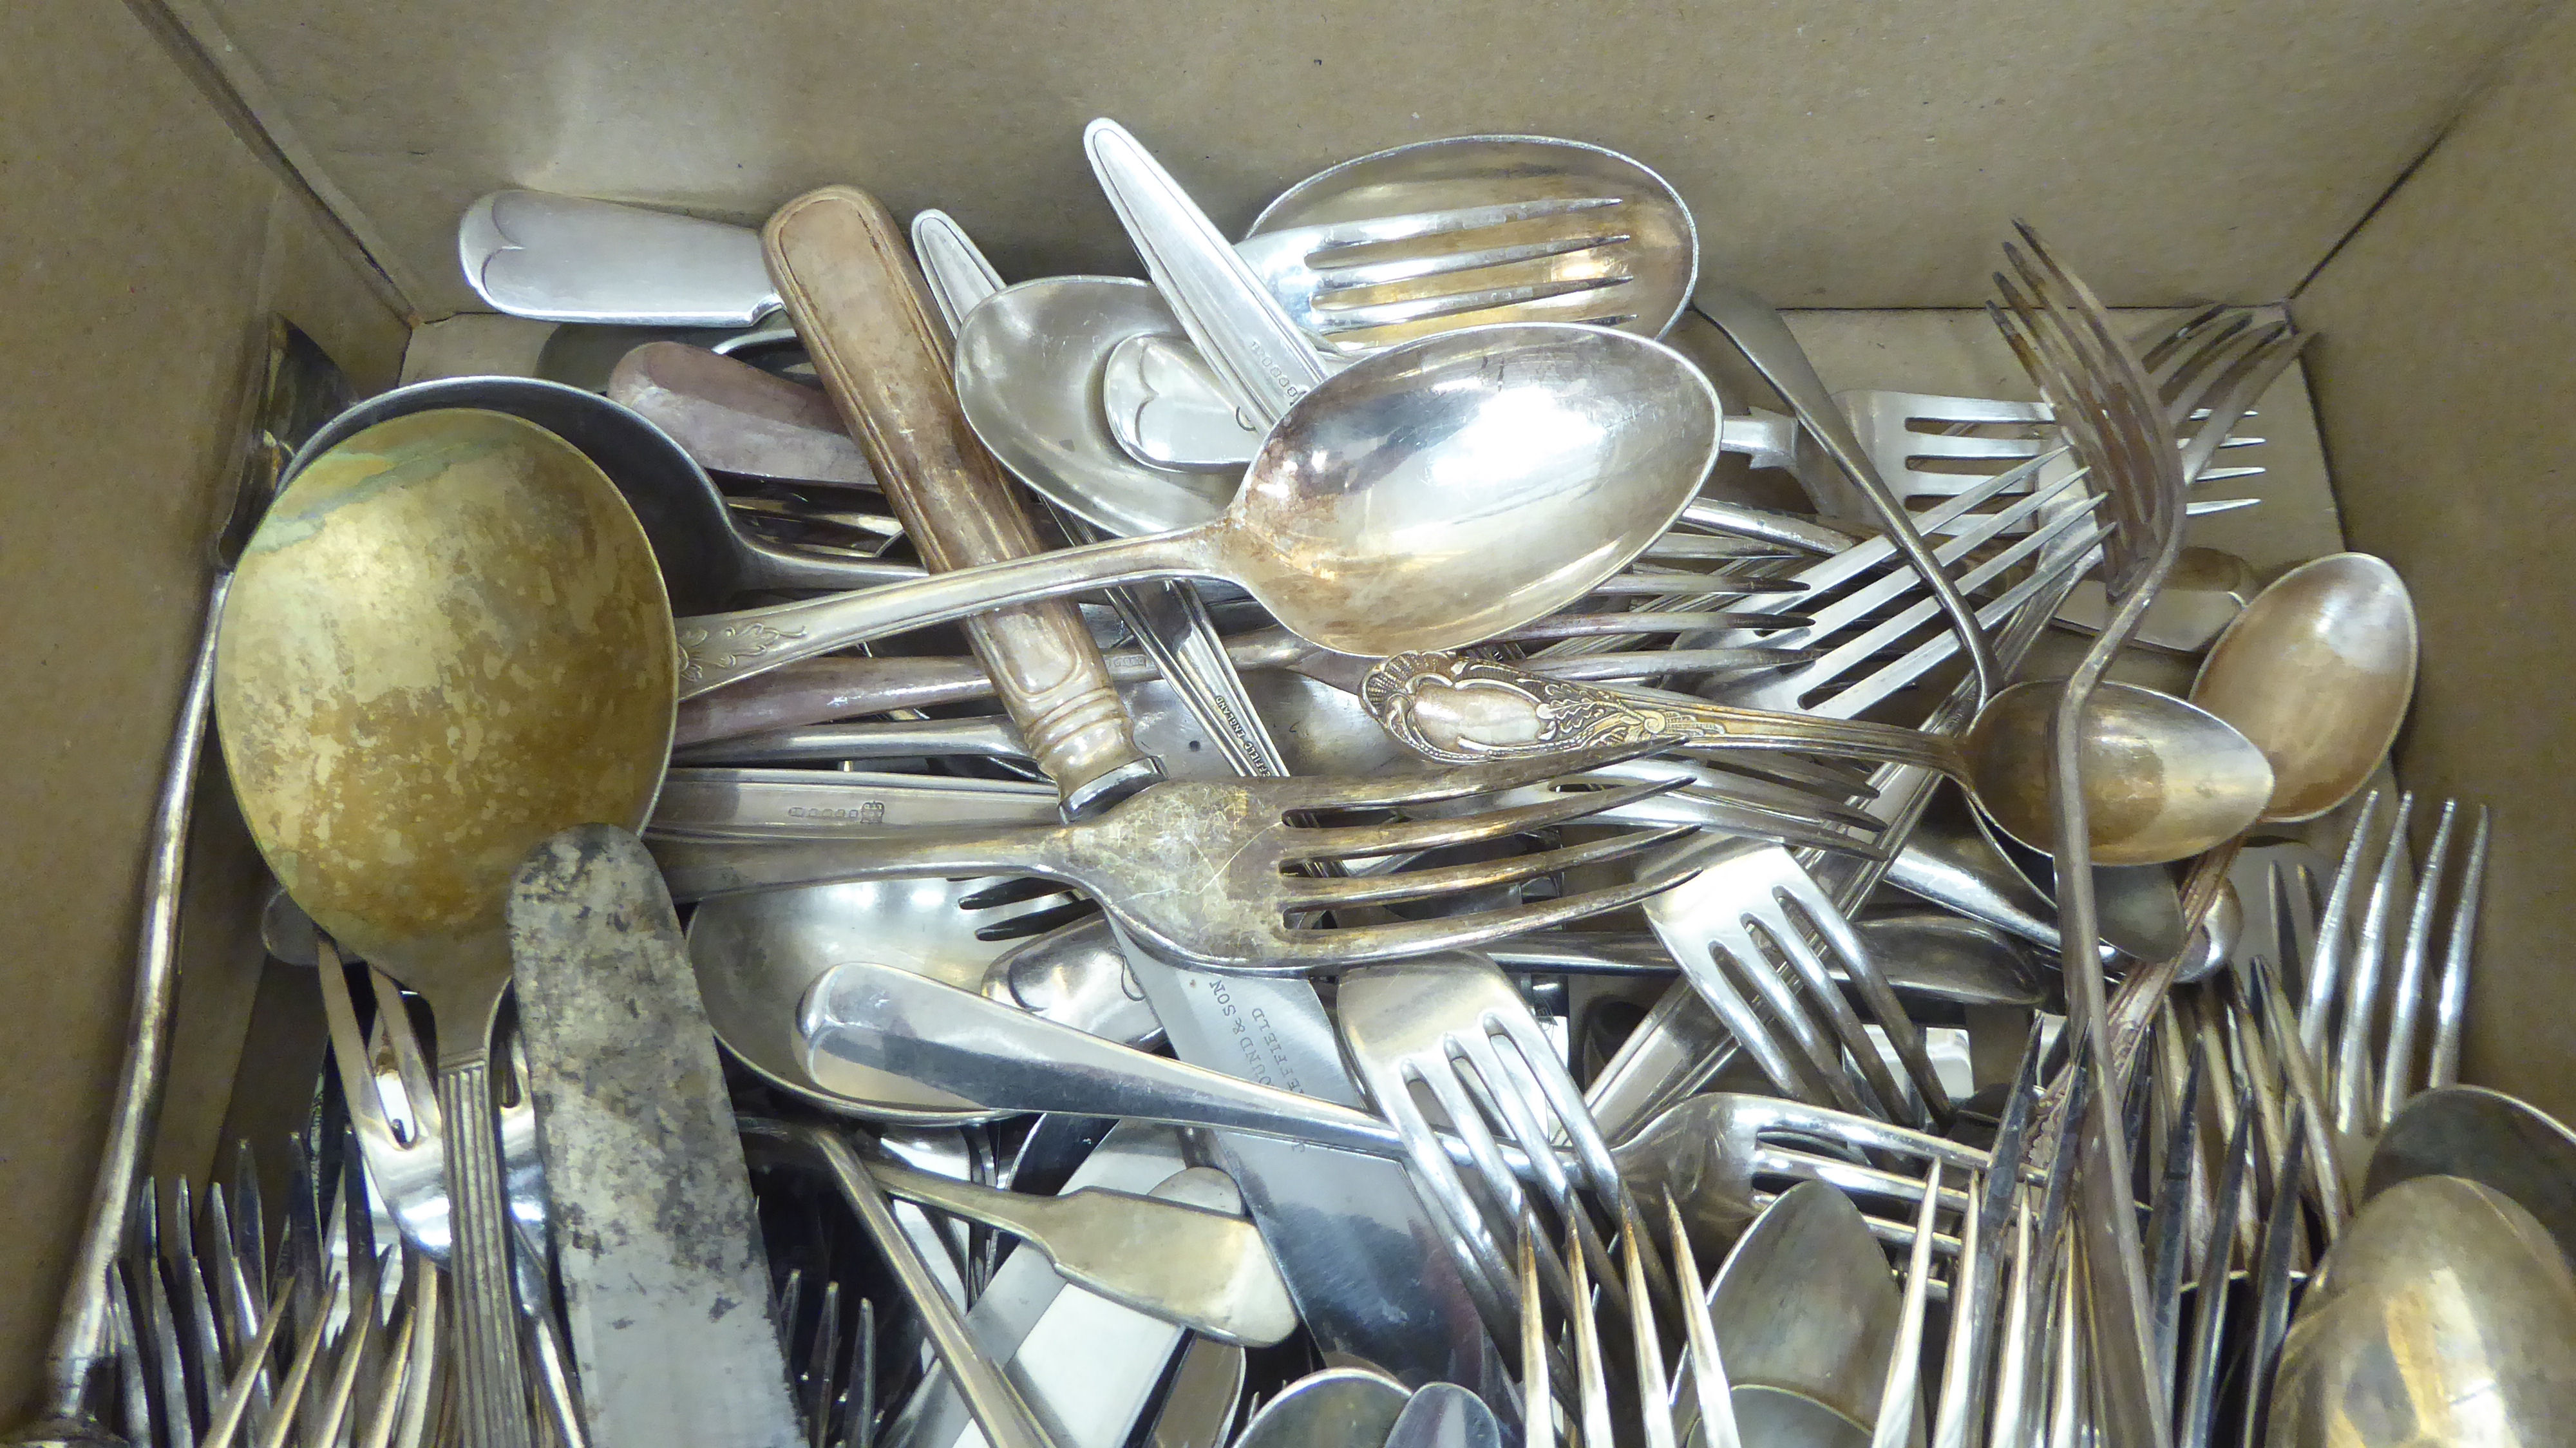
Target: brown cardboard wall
(2443,379)
(1841,153)
(145,246)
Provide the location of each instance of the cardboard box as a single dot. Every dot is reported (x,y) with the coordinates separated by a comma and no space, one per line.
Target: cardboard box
(2396,173)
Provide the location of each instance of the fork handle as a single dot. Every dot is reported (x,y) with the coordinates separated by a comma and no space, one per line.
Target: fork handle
(700,869)
(848,279)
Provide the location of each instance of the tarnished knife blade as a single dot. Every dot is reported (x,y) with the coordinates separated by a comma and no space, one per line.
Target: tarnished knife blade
(662,1270)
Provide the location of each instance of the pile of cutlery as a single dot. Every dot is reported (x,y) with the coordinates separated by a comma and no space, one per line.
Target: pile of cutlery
(1275,854)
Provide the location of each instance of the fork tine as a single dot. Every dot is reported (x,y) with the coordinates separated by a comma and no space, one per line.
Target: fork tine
(2397,1064)
(2272,1292)
(1405,836)
(2444,1068)
(2315,1129)
(1478,1072)
(1654,1388)
(1330,237)
(2325,963)
(2178,1192)
(1713,1395)
(2351,1088)
(1363,944)
(1322,893)
(1592,1387)
(2012,1361)
(1897,1398)
(1538,1403)
(1963,1382)
(2198,1407)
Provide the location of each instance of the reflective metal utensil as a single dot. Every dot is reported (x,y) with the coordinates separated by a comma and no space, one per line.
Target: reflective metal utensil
(1445,1415)
(2489,1138)
(1029,374)
(1458,710)
(706,556)
(2165,780)
(1807,1313)
(568,259)
(447,642)
(1203,870)
(736,418)
(2340,628)
(1331,527)
(1206,1271)
(1468,230)
(301,387)
(998,1408)
(660,1259)
(1724,1156)
(757,955)
(1335,1408)
(2442,1315)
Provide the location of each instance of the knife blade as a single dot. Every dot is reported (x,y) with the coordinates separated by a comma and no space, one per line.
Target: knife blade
(664,1282)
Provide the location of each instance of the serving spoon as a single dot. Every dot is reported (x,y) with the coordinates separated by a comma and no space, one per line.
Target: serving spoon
(447,642)
(1427,497)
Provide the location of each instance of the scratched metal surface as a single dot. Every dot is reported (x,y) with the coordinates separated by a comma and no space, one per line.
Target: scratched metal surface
(663,1276)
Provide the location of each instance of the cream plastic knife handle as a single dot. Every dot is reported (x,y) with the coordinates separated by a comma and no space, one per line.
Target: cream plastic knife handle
(1265,362)
(846,274)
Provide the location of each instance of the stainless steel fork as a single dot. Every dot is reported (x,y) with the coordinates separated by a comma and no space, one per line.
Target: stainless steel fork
(2364,1086)
(1753,926)
(1592,1415)
(1455,1028)
(1930,447)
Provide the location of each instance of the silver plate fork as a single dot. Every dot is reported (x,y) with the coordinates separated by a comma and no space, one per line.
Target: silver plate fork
(1454,1027)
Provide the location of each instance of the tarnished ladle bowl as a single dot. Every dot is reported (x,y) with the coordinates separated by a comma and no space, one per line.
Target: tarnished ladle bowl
(2163,780)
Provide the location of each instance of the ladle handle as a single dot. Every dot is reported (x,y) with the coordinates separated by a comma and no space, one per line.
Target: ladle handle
(492,1394)
(846,274)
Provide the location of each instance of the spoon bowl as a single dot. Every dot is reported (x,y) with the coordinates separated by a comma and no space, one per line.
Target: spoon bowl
(2317,672)
(2163,780)
(757,955)
(1030,363)
(2441,1315)
(704,554)
(2488,1137)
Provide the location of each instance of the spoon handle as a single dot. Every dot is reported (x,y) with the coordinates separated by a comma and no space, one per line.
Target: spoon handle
(846,273)
(718,648)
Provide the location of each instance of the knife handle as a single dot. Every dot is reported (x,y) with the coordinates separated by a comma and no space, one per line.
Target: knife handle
(848,279)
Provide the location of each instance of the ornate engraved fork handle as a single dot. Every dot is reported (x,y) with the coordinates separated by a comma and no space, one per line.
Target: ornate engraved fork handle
(1464,711)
